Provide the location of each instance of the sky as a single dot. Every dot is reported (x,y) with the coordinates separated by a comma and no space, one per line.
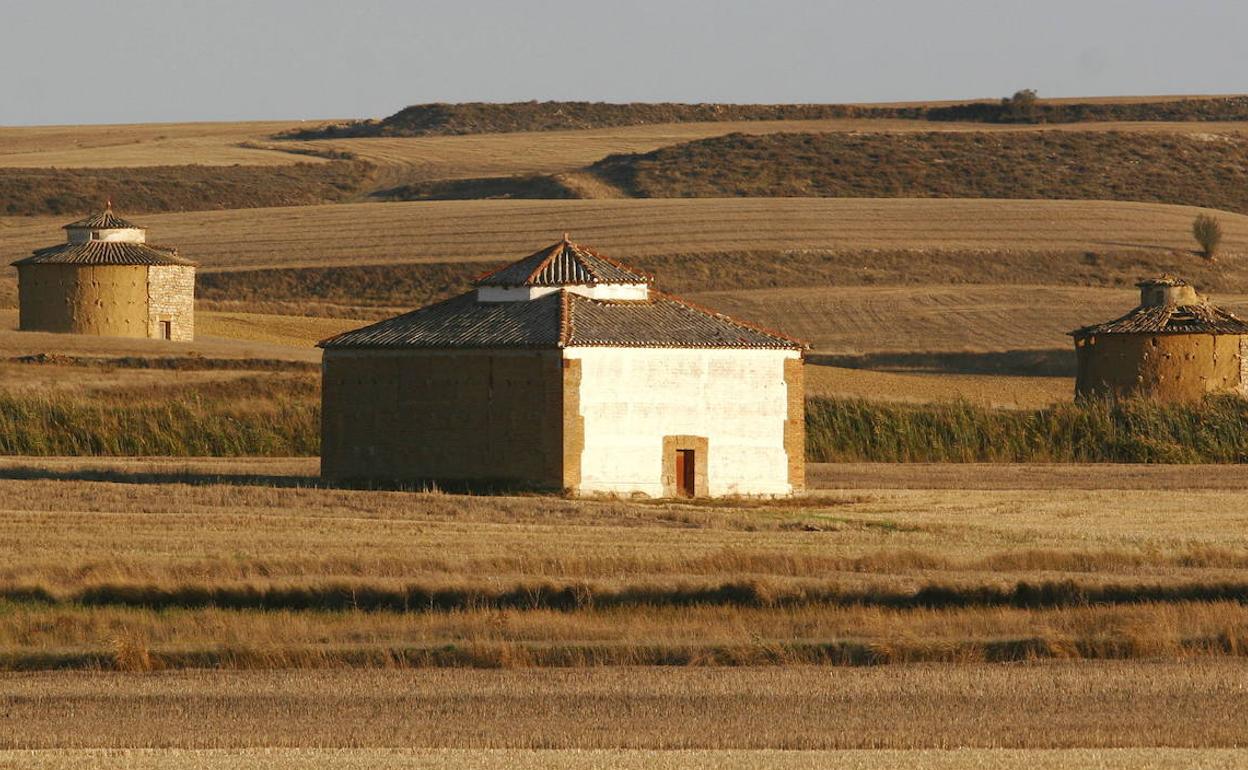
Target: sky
(132,61)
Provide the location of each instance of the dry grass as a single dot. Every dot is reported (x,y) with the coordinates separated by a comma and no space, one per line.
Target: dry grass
(629,759)
(179,568)
(1193,704)
(1186,169)
(467,231)
(73,534)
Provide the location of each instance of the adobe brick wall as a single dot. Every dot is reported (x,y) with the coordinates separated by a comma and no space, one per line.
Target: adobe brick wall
(171,297)
(456,415)
(1163,367)
(108,300)
(573,423)
(795,424)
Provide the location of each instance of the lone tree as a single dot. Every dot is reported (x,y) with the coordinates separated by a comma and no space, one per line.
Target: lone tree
(1208,233)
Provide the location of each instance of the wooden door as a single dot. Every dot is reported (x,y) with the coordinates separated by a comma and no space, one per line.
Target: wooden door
(685,473)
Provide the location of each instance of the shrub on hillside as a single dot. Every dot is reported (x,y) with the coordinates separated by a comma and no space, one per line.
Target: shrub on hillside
(1208,233)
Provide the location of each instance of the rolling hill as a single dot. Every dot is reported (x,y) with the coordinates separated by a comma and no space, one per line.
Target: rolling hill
(1202,170)
(479,117)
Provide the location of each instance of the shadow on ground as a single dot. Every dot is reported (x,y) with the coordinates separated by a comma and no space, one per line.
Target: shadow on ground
(37,473)
(1056,362)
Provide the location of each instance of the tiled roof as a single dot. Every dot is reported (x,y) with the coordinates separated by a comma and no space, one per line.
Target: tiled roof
(662,322)
(105,253)
(558,320)
(105,220)
(561,264)
(463,322)
(1200,318)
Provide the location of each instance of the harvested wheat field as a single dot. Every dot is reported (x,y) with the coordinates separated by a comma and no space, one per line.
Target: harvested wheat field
(446,231)
(1014,392)
(864,319)
(245,345)
(144,144)
(285,330)
(628,759)
(1031,706)
(170,564)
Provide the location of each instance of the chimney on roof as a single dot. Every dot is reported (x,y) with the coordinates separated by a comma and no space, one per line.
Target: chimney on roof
(1167,290)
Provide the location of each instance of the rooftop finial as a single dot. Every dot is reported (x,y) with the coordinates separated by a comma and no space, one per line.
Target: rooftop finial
(108,203)
(566,238)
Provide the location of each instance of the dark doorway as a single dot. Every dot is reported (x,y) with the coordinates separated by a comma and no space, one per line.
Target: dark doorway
(685,473)
(166,330)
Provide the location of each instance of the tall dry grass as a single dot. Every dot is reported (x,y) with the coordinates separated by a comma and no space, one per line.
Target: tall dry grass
(274,414)
(1215,431)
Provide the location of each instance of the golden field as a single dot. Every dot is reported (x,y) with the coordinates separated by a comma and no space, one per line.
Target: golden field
(145,144)
(284,679)
(711,713)
(158,564)
(475,231)
(626,759)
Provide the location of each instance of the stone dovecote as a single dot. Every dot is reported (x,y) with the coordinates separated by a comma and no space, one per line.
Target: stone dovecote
(567,370)
(106,279)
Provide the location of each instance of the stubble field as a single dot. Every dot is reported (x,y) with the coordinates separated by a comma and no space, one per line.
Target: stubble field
(482,231)
(232,613)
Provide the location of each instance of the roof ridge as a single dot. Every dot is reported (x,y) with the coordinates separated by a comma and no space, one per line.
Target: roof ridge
(565,318)
(550,256)
(581,253)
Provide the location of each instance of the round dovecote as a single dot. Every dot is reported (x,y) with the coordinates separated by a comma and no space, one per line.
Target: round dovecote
(1174,346)
(107,280)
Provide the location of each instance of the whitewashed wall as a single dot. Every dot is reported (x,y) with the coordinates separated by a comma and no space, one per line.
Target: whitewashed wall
(632,397)
(127,234)
(635,291)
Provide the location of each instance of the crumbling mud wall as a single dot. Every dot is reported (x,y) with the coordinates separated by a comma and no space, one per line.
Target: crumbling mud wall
(106,300)
(1162,367)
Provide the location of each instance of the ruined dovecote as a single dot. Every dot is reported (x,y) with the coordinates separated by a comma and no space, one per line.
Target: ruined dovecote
(567,370)
(106,279)
(1174,346)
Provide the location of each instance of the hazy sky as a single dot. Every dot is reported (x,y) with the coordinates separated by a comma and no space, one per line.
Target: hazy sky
(113,61)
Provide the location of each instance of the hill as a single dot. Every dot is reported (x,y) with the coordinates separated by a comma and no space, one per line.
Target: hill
(482,117)
(62,192)
(1209,171)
